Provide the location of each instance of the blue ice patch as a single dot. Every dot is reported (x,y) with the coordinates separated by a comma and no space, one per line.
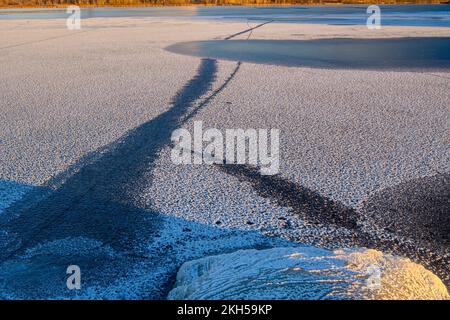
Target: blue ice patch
(11,191)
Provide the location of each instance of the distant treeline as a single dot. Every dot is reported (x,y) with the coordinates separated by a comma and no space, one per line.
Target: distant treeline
(202,2)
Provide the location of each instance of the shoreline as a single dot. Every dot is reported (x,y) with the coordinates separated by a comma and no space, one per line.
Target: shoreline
(57,6)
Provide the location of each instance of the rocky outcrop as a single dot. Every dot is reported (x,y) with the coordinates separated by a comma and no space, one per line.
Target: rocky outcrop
(306,273)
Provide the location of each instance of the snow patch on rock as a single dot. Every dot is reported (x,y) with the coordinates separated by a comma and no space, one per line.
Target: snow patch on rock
(306,273)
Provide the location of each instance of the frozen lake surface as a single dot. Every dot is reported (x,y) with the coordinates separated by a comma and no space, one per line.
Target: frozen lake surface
(405,15)
(396,53)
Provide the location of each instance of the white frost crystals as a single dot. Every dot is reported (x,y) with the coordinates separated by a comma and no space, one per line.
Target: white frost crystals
(241,146)
(305,273)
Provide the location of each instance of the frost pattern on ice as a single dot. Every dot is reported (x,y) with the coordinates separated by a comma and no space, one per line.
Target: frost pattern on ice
(11,191)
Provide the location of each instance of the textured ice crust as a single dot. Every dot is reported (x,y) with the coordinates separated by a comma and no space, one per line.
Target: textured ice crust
(11,191)
(306,273)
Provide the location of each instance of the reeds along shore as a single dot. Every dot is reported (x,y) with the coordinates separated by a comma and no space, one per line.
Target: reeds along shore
(56,3)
